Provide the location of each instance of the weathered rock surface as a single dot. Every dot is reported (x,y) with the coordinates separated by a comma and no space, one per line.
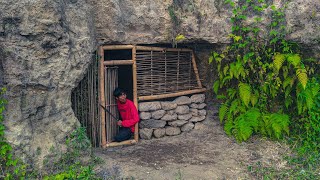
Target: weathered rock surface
(145,133)
(145,115)
(45,48)
(202,112)
(168,105)
(182,100)
(194,106)
(158,133)
(151,123)
(197,98)
(158,114)
(194,111)
(182,109)
(197,118)
(187,127)
(185,116)
(149,106)
(169,117)
(202,105)
(171,131)
(177,123)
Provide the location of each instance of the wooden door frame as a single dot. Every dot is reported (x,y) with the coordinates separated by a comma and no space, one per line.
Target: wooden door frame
(102,64)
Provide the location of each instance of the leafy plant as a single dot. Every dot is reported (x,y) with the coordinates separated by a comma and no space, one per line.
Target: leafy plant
(10,167)
(262,76)
(72,164)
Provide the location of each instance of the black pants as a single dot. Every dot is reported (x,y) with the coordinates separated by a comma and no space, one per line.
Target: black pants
(123,134)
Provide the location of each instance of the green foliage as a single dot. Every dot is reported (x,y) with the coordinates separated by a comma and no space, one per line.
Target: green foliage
(72,164)
(10,167)
(261,70)
(69,165)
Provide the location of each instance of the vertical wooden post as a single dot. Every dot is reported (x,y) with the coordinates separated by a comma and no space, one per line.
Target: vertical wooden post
(102,98)
(196,69)
(135,94)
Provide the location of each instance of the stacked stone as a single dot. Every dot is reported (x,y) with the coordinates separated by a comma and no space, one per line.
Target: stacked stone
(170,118)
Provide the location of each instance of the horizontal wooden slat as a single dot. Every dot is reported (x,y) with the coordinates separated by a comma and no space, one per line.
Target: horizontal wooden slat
(145,98)
(117,47)
(118,62)
(112,144)
(146,48)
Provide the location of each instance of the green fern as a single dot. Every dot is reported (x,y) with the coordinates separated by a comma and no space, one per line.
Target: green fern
(302,76)
(254,98)
(245,93)
(278,60)
(231,93)
(228,126)
(216,86)
(246,124)
(279,124)
(223,110)
(294,59)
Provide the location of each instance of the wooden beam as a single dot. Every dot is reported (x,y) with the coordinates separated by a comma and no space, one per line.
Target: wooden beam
(153,97)
(196,70)
(117,47)
(102,98)
(118,62)
(146,48)
(135,93)
(112,144)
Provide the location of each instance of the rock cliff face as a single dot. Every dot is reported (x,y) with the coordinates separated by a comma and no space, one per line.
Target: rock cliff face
(46,46)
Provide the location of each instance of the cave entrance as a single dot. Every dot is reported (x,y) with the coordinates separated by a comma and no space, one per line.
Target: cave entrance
(145,73)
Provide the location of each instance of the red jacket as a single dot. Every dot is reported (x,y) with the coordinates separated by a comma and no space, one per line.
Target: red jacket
(129,114)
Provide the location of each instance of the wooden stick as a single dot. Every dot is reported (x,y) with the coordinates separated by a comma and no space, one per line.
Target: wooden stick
(102,98)
(196,69)
(117,47)
(135,94)
(118,62)
(146,48)
(127,142)
(153,97)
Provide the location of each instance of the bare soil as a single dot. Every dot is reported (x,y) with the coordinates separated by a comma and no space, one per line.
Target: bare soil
(206,152)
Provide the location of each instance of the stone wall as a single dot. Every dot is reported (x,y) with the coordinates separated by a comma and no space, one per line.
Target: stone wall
(170,118)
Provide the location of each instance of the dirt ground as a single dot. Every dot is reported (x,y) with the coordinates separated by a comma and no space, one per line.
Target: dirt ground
(206,152)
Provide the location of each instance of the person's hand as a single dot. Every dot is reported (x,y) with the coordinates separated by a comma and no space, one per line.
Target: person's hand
(119,123)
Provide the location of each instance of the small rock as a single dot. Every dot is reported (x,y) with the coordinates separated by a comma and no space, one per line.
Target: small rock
(167,105)
(168,117)
(158,133)
(151,123)
(171,112)
(200,126)
(182,100)
(202,105)
(193,105)
(194,111)
(197,98)
(157,114)
(149,106)
(182,109)
(185,116)
(187,127)
(177,123)
(145,133)
(197,118)
(171,131)
(145,115)
(202,112)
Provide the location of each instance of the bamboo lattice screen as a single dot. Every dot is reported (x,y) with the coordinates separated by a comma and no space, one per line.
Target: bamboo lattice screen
(164,72)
